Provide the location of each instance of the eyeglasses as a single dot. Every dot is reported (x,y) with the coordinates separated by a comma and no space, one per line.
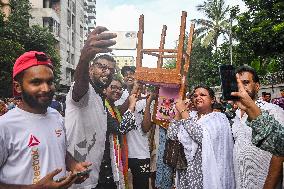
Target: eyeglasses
(115,88)
(105,68)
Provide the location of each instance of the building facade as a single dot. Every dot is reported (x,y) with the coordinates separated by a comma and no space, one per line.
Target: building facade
(68,21)
(124,61)
(90,16)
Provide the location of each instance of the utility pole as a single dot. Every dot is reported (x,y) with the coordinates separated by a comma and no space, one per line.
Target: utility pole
(233,13)
(231,45)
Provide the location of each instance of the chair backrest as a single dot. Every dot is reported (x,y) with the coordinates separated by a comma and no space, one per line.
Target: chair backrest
(162,77)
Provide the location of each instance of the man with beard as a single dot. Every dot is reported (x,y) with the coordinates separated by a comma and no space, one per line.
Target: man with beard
(32,138)
(85,114)
(258,130)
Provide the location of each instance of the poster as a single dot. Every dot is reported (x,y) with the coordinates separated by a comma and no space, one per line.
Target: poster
(166,103)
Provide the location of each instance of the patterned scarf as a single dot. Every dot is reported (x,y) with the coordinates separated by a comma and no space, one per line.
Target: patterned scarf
(120,146)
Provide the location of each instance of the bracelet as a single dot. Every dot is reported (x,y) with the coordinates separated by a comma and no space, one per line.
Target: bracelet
(183,111)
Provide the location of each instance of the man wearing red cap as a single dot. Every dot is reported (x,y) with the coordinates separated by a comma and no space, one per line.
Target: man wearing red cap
(32,136)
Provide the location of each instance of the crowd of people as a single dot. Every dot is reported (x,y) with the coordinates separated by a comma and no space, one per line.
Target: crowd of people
(104,130)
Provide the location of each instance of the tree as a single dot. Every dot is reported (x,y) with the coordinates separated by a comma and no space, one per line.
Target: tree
(261,28)
(17,37)
(203,67)
(216,23)
(260,32)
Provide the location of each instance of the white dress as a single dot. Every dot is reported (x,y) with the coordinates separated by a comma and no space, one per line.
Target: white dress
(208,146)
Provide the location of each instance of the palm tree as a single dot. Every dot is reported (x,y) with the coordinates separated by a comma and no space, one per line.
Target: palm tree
(210,29)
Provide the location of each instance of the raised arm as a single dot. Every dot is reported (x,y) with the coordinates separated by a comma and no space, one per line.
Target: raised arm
(97,42)
(135,90)
(193,129)
(147,121)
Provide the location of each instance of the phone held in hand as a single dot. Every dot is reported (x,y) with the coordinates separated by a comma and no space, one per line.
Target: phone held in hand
(83,173)
(78,174)
(125,40)
(228,81)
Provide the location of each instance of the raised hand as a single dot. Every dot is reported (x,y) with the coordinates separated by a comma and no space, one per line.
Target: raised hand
(137,89)
(132,102)
(97,42)
(182,109)
(180,105)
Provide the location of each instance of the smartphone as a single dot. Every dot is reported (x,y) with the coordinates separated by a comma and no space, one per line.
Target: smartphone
(125,40)
(83,173)
(228,81)
(60,179)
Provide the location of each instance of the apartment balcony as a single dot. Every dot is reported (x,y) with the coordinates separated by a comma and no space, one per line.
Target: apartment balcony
(45,12)
(46,17)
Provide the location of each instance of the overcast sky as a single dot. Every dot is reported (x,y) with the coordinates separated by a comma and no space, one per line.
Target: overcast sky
(123,15)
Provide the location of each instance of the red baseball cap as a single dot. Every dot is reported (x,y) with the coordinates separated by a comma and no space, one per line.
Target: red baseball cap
(27,60)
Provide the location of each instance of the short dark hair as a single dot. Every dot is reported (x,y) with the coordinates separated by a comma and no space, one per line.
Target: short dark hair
(249,69)
(218,106)
(125,69)
(104,56)
(117,78)
(210,91)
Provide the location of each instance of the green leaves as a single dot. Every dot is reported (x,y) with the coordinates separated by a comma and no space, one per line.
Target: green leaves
(17,37)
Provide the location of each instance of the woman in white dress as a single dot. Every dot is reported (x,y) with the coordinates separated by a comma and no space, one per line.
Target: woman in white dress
(207,141)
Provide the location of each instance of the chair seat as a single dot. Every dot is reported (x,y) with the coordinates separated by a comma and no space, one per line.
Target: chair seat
(158,76)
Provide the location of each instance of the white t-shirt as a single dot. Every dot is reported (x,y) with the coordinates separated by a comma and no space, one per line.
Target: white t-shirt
(86,125)
(31,146)
(137,140)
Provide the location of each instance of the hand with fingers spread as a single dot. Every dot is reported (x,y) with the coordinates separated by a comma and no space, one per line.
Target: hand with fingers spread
(245,102)
(97,42)
(47,182)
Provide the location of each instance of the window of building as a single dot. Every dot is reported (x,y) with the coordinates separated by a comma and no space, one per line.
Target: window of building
(69,3)
(68,35)
(68,57)
(73,7)
(73,39)
(73,22)
(69,18)
(68,75)
(81,31)
(72,59)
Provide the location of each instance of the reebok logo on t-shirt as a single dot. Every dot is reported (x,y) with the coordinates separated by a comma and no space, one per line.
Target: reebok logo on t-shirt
(33,141)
